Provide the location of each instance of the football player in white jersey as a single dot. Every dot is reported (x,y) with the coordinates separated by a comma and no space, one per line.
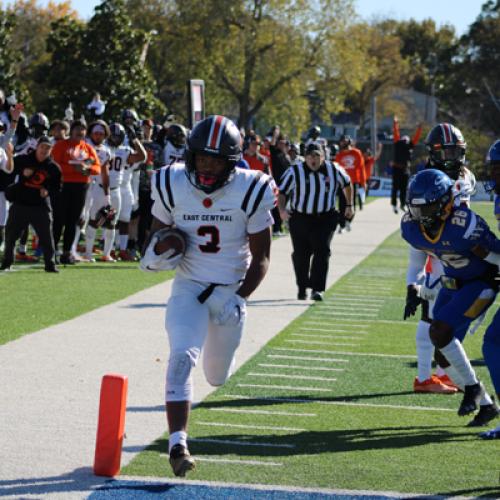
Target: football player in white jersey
(137,155)
(99,194)
(175,144)
(446,147)
(225,214)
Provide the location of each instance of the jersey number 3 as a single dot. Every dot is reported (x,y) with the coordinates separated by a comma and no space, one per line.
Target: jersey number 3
(212,245)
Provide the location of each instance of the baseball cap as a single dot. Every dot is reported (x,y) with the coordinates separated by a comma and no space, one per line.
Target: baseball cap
(314,148)
(44,139)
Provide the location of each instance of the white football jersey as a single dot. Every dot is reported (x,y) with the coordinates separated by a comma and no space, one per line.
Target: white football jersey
(103,153)
(216,225)
(465,186)
(171,154)
(117,165)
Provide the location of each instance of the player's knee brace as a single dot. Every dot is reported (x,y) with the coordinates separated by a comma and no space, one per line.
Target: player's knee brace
(215,373)
(179,386)
(441,333)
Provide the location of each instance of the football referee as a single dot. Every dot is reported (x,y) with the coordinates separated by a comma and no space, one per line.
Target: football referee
(311,187)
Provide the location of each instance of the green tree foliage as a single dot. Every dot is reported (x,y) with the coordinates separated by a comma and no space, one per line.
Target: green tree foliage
(106,55)
(258,58)
(9,59)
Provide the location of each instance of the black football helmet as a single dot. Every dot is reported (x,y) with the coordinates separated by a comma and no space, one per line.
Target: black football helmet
(177,135)
(38,124)
(446,146)
(130,114)
(314,132)
(116,134)
(215,136)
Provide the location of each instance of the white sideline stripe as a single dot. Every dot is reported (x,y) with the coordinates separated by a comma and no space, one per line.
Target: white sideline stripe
(298,367)
(305,358)
(293,377)
(285,387)
(357,332)
(239,443)
(340,403)
(238,462)
(379,355)
(318,342)
(354,298)
(353,325)
(344,314)
(316,336)
(264,412)
(255,427)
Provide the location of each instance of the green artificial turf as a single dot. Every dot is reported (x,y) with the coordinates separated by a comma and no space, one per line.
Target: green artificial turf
(366,430)
(32,299)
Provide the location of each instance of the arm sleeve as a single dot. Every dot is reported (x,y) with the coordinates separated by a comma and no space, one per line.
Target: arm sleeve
(343,176)
(287,184)
(416,266)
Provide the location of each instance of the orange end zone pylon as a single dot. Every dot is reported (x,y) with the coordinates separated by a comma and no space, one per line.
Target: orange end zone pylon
(111,425)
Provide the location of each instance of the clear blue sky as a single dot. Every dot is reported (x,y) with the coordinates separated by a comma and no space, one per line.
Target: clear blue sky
(458,13)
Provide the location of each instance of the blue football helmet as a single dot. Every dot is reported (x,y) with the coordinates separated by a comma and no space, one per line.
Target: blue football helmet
(493,164)
(430,197)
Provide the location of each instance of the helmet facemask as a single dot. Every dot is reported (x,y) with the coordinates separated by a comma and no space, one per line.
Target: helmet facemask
(205,181)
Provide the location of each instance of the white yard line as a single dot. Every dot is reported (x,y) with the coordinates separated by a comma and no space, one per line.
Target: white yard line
(343,325)
(239,462)
(293,377)
(354,298)
(254,427)
(319,342)
(345,314)
(317,336)
(285,387)
(305,358)
(357,332)
(299,367)
(378,355)
(264,412)
(339,403)
(238,443)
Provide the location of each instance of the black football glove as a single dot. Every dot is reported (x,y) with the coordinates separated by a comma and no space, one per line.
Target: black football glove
(412,301)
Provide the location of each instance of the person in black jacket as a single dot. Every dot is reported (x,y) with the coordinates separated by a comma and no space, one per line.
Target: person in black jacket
(38,179)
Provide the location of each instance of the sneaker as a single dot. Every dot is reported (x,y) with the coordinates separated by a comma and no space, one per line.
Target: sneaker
(24,257)
(340,230)
(125,256)
(181,460)
(485,415)
(106,258)
(491,434)
(348,226)
(395,209)
(51,268)
(472,395)
(432,385)
(302,295)
(317,296)
(447,381)
(88,258)
(5,267)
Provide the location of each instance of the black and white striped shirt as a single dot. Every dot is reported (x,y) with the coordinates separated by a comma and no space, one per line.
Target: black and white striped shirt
(313,192)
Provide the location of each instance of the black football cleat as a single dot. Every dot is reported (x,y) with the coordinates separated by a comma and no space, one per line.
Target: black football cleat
(485,415)
(302,295)
(470,401)
(317,296)
(181,460)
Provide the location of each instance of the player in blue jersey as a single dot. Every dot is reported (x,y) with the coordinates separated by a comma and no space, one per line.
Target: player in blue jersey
(470,254)
(491,335)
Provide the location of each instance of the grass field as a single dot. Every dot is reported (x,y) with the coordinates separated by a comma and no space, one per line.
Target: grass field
(32,299)
(329,403)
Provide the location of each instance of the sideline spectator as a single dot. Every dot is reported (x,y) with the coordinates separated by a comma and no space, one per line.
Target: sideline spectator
(252,155)
(294,154)
(78,161)
(370,160)
(403,152)
(312,186)
(280,162)
(38,178)
(59,130)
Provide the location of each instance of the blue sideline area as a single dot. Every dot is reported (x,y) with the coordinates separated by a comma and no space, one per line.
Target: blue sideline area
(140,490)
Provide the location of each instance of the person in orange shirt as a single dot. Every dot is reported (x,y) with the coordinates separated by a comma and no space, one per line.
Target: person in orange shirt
(78,161)
(253,156)
(353,162)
